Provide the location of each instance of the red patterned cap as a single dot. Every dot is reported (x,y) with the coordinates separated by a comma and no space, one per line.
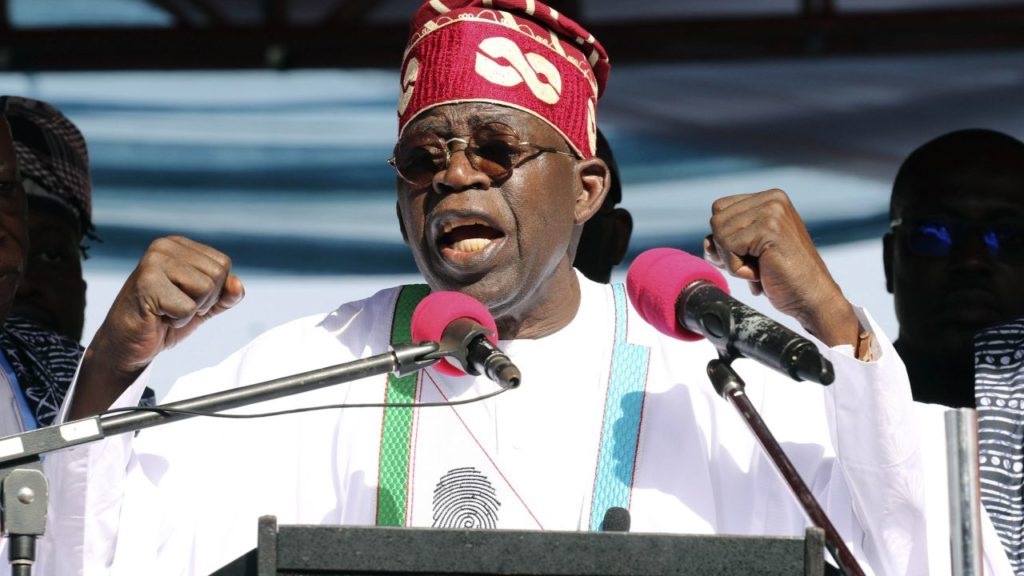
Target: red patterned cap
(518,53)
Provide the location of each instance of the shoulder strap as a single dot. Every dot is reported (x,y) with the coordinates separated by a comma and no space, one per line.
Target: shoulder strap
(396,428)
(620,430)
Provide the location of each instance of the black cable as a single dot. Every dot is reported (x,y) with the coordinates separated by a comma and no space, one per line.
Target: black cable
(164,410)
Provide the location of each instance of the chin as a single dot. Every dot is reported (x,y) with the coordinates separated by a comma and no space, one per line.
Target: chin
(490,295)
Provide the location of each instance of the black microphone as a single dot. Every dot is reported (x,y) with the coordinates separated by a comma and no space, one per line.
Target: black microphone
(466,333)
(466,341)
(685,297)
(616,519)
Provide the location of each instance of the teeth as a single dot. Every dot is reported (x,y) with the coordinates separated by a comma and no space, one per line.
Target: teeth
(449,226)
(471,244)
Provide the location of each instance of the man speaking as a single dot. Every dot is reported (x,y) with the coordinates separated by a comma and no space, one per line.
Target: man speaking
(496,176)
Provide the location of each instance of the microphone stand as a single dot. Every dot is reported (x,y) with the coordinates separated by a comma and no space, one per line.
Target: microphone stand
(25,492)
(730,386)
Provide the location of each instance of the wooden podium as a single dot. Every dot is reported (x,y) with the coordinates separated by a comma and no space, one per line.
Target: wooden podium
(354,550)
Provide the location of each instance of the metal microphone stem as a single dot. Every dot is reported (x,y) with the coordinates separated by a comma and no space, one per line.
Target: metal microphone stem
(730,386)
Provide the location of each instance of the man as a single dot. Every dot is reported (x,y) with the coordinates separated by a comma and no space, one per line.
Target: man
(41,329)
(54,166)
(605,238)
(954,259)
(36,365)
(13,247)
(497,176)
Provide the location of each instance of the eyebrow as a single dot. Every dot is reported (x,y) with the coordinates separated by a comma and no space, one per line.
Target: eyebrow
(442,126)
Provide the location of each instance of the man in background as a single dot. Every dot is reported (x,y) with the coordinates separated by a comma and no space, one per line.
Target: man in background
(48,214)
(36,364)
(954,257)
(954,261)
(53,163)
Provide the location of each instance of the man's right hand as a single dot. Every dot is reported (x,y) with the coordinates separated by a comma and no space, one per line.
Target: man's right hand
(178,285)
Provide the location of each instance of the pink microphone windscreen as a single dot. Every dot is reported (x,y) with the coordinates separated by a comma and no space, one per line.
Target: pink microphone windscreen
(439,309)
(654,281)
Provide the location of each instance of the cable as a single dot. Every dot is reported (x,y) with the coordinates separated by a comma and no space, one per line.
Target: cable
(165,410)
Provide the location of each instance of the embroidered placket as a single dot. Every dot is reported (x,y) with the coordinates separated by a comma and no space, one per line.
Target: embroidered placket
(617,451)
(396,428)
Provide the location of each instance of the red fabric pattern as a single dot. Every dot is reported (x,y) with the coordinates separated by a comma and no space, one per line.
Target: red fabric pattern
(469,50)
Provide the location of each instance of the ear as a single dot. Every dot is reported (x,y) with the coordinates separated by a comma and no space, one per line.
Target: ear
(401,224)
(622,223)
(887,248)
(594,180)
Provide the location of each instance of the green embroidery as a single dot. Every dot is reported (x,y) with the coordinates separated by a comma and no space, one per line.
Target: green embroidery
(396,432)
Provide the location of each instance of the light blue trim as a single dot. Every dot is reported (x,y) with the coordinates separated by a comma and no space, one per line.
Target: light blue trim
(621,428)
(28,419)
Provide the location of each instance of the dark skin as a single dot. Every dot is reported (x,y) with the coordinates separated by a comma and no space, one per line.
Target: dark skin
(942,302)
(178,285)
(760,238)
(13,218)
(524,274)
(538,212)
(52,290)
(605,237)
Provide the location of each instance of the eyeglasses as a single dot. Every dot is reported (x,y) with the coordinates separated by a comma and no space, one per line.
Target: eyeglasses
(936,238)
(494,149)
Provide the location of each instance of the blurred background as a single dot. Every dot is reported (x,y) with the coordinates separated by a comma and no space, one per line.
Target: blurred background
(261,127)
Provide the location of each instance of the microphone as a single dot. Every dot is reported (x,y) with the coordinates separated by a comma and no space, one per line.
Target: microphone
(616,519)
(466,333)
(686,298)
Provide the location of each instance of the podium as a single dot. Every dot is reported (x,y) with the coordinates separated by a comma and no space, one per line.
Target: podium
(296,550)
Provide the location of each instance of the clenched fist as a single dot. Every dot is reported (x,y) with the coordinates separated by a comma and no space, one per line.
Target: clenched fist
(760,238)
(178,285)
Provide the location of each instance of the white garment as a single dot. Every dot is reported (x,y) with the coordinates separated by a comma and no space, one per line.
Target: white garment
(932,427)
(184,498)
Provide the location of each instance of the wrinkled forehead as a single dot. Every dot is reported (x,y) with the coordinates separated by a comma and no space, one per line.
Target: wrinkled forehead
(462,119)
(8,159)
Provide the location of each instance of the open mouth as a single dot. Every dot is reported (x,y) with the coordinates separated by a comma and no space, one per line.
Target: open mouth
(468,236)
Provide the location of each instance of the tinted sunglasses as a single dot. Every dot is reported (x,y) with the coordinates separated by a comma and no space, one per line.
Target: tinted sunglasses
(494,149)
(937,237)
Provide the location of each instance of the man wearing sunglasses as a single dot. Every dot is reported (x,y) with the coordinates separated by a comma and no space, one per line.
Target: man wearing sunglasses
(954,257)
(496,174)
(954,262)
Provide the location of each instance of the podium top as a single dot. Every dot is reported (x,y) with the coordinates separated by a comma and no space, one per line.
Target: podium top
(299,549)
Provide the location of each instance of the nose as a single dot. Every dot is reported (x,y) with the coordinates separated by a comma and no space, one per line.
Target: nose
(460,173)
(27,289)
(970,250)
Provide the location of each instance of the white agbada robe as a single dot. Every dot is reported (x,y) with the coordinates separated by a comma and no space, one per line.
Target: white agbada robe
(185,498)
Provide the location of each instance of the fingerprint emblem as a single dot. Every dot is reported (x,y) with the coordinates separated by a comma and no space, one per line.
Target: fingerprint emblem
(464,498)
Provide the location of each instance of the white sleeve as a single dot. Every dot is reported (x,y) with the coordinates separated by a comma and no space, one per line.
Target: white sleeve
(134,505)
(884,484)
(877,445)
(86,484)
(892,454)
(97,490)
